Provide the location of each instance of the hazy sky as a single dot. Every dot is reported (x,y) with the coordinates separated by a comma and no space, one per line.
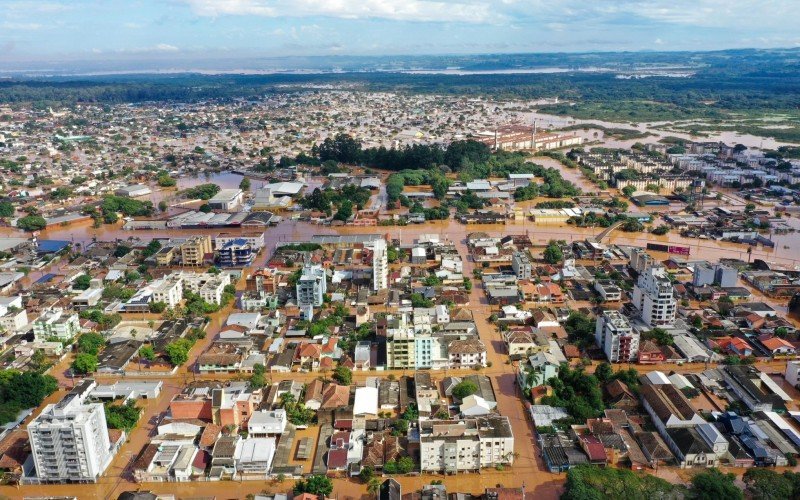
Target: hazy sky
(173,29)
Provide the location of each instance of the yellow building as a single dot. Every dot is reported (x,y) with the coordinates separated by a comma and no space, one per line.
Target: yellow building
(193,252)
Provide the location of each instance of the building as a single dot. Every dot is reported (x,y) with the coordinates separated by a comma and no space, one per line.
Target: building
(226,199)
(236,253)
(654,297)
(265,423)
(210,287)
(254,239)
(69,440)
(401,349)
(616,338)
(380,266)
(522,266)
(230,405)
(133,191)
(466,445)
(719,274)
(168,290)
(55,323)
(793,373)
(311,286)
(195,250)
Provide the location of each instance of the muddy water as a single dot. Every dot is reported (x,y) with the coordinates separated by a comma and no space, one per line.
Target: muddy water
(554,121)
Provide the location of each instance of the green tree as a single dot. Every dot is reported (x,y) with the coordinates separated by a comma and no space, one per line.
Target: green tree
(603,372)
(162,206)
(122,416)
(91,343)
(317,484)
(85,363)
(714,485)
(343,375)
(32,223)
(6,209)
(245,184)
(157,307)
(628,191)
(258,379)
(178,351)
(82,282)
(766,484)
(374,486)
(164,180)
(367,473)
(147,352)
(464,389)
(553,254)
(405,465)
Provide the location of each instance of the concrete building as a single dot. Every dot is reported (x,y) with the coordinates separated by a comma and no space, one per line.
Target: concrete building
(311,286)
(719,274)
(56,323)
(616,338)
(380,266)
(69,439)
(194,251)
(209,286)
(226,199)
(401,349)
(168,290)
(793,373)
(133,191)
(522,265)
(654,297)
(467,445)
(236,253)
(254,239)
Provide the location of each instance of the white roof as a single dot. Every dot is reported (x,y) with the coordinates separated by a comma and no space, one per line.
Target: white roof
(366,402)
(658,378)
(476,405)
(257,450)
(247,320)
(279,188)
(544,415)
(679,381)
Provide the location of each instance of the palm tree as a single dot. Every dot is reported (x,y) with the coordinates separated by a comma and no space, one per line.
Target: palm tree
(374,486)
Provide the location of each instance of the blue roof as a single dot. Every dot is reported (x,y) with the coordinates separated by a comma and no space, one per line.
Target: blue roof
(44,279)
(238,242)
(51,246)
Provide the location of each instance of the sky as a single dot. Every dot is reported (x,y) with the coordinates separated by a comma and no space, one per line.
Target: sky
(87,30)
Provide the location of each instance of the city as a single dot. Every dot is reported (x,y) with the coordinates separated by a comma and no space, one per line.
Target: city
(433,276)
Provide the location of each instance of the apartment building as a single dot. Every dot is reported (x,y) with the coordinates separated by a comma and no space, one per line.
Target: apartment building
(614,335)
(465,446)
(236,253)
(311,286)
(223,405)
(55,323)
(401,349)
(194,251)
(654,297)
(254,239)
(69,440)
(522,265)
(168,290)
(380,266)
(209,286)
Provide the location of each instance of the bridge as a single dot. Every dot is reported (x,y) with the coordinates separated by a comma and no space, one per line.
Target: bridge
(600,237)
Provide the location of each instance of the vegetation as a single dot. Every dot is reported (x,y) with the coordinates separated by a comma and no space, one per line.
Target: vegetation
(123,416)
(105,321)
(323,200)
(317,484)
(578,392)
(201,192)
(147,352)
(91,343)
(553,254)
(713,485)
(296,412)
(85,363)
(164,180)
(128,207)
(588,482)
(766,484)
(464,389)
(343,375)
(31,223)
(82,282)
(19,391)
(580,328)
(177,351)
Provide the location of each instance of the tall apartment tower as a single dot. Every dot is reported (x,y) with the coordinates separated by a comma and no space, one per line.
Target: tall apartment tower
(380,266)
(654,297)
(69,439)
(616,338)
(311,286)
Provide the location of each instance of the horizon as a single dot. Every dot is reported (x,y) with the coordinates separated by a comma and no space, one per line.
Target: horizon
(86,32)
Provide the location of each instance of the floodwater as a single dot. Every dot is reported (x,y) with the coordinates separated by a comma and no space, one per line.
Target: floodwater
(555,121)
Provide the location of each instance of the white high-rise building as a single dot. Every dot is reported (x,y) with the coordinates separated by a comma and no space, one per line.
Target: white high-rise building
(311,286)
(654,297)
(380,266)
(69,439)
(468,445)
(616,338)
(55,323)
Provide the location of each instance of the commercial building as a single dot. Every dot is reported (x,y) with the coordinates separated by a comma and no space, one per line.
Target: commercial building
(380,266)
(226,199)
(654,297)
(69,440)
(55,323)
(133,191)
(465,446)
(722,275)
(616,338)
